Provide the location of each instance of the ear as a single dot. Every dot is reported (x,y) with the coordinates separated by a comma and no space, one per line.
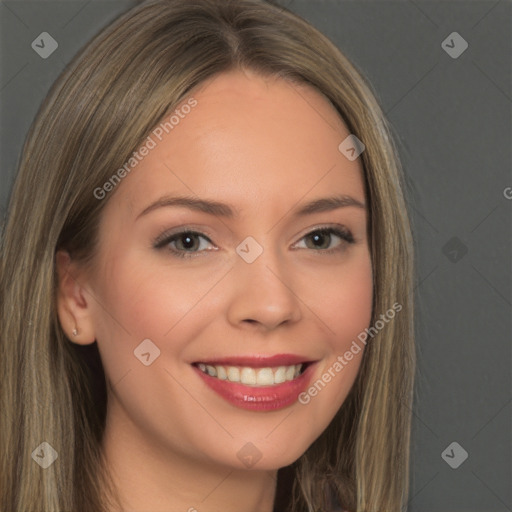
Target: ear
(73,303)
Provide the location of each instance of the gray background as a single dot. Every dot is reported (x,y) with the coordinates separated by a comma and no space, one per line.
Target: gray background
(452,120)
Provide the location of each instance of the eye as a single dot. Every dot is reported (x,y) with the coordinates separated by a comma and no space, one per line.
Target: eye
(186,242)
(321,239)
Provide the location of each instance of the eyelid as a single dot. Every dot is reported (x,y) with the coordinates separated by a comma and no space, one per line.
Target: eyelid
(163,239)
(337,229)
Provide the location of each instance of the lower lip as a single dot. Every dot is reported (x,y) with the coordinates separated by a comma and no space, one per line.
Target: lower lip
(265,398)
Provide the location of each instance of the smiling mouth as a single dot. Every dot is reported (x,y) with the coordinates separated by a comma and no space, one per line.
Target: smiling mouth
(250,376)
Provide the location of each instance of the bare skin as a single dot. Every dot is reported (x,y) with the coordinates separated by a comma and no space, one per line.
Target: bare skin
(265,147)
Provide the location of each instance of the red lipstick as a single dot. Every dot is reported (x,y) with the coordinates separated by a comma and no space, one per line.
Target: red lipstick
(258,398)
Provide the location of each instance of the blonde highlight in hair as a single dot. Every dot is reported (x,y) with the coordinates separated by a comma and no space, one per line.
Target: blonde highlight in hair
(98,112)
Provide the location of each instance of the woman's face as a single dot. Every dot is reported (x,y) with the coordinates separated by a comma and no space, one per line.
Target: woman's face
(255,292)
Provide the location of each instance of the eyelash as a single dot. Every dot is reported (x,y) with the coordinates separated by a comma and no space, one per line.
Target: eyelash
(164,240)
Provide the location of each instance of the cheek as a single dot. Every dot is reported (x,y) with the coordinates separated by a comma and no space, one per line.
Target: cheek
(139,300)
(345,310)
(354,306)
(344,302)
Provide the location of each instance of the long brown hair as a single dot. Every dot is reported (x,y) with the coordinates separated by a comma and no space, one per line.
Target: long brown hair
(96,115)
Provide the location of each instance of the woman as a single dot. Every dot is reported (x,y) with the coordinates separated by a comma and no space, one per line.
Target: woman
(175,335)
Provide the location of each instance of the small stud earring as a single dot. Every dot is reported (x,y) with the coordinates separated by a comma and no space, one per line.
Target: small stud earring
(75,332)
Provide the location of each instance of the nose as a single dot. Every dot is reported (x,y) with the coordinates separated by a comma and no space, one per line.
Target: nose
(263,294)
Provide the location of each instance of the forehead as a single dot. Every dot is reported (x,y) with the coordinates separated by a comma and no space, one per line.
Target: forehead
(249,139)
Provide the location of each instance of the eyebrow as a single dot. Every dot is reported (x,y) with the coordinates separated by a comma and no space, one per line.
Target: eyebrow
(211,207)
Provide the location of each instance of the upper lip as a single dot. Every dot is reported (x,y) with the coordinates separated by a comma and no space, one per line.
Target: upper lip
(258,361)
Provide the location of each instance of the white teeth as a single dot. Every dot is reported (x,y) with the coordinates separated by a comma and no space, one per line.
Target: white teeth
(253,376)
(248,376)
(265,377)
(280,375)
(233,374)
(221,372)
(211,370)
